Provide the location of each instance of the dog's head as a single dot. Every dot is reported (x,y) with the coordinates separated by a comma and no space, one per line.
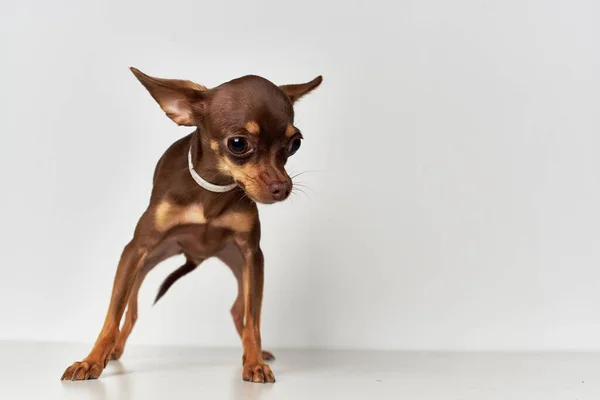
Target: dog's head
(246,124)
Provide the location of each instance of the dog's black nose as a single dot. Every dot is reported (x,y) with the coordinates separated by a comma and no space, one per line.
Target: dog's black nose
(279,190)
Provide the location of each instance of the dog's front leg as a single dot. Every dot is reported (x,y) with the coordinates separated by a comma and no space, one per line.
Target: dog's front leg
(254,367)
(132,259)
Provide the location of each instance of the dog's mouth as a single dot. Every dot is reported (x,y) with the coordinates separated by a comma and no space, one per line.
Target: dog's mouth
(274,192)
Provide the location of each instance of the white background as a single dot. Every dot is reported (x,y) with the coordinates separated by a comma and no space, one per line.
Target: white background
(452,149)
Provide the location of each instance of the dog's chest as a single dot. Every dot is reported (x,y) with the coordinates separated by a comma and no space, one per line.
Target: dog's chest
(169,215)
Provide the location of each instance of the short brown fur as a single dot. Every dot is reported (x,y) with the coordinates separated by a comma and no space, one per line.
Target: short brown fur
(184,218)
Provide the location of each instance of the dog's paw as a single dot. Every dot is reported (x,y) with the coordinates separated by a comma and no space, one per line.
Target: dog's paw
(82,370)
(267,356)
(257,372)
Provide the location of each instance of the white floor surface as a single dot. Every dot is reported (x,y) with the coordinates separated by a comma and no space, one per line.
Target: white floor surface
(32,371)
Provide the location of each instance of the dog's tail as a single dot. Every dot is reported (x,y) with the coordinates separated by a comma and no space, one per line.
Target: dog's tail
(185,269)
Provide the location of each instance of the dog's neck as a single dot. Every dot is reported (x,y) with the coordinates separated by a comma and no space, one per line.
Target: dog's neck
(202,168)
(203,182)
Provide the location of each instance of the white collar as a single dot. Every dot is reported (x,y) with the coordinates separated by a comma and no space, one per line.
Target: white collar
(205,184)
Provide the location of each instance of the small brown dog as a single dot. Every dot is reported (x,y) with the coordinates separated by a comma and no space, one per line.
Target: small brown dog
(203,203)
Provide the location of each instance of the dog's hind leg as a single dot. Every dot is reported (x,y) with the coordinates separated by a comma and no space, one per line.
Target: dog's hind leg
(232,257)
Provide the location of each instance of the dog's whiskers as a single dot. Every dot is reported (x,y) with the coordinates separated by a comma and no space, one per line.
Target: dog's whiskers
(296,190)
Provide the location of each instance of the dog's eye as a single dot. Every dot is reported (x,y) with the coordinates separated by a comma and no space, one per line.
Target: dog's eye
(294,146)
(238,145)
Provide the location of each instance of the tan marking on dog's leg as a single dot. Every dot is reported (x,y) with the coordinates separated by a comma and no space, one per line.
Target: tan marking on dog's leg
(254,368)
(232,258)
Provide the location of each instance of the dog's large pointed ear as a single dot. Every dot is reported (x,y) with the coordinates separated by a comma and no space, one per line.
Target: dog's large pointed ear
(295,92)
(182,101)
